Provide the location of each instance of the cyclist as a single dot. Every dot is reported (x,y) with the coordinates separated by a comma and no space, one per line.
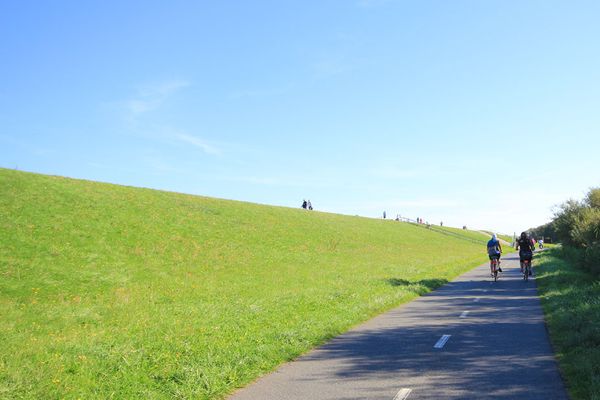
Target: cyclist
(526,249)
(494,250)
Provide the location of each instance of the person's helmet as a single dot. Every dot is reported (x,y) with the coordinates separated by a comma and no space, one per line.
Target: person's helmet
(524,235)
(494,236)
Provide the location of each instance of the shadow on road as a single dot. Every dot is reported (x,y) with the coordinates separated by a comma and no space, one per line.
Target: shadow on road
(421,287)
(495,351)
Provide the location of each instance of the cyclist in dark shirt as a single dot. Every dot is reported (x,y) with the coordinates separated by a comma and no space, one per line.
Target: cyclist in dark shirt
(525,249)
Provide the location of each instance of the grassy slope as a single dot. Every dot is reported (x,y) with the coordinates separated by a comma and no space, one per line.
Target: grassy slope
(571,301)
(473,235)
(108,290)
(506,238)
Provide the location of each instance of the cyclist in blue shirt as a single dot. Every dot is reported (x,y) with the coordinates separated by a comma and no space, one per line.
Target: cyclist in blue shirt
(494,250)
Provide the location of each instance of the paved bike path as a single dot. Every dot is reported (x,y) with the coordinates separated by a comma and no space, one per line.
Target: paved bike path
(498,348)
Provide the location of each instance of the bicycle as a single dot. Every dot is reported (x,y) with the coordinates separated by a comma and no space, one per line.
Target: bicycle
(494,264)
(526,269)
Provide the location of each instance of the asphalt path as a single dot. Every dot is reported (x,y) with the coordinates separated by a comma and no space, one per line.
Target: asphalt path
(470,339)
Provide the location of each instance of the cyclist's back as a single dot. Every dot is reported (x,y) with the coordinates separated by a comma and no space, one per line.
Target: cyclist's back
(494,250)
(525,248)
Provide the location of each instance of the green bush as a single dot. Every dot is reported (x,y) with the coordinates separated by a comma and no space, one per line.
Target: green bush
(572,255)
(577,226)
(566,220)
(584,233)
(593,198)
(591,260)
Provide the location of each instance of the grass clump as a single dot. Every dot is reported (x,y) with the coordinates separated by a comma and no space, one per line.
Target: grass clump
(116,292)
(571,300)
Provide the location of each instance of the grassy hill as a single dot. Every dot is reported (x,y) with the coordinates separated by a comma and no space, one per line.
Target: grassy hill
(117,292)
(474,236)
(506,238)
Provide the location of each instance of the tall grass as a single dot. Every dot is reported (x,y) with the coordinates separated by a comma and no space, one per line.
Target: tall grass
(571,301)
(116,292)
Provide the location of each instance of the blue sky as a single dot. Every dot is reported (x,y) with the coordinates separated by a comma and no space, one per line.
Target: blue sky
(477,113)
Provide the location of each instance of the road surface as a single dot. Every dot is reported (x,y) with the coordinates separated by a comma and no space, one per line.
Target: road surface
(470,339)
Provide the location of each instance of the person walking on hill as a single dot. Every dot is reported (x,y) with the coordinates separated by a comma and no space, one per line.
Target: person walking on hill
(494,250)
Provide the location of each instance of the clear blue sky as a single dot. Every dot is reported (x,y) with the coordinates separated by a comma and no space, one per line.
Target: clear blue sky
(477,113)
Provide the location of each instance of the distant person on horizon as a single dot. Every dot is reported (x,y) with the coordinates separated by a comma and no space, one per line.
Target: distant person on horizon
(304,204)
(494,250)
(309,205)
(384,215)
(441,223)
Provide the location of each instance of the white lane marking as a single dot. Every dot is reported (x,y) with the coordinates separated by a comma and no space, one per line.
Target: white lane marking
(402,394)
(464,314)
(442,342)
(476,299)
(485,290)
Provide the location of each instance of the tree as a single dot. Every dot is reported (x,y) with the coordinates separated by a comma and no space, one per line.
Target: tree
(593,198)
(566,219)
(577,226)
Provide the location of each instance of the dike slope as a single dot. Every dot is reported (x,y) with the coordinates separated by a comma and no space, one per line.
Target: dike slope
(113,291)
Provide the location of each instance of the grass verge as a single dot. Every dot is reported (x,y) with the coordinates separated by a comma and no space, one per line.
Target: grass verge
(117,292)
(571,301)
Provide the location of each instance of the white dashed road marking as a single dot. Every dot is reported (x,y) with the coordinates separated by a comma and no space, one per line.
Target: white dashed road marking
(442,342)
(402,394)
(464,314)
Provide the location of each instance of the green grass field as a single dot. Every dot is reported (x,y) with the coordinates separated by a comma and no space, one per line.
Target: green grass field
(571,301)
(475,236)
(472,235)
(117,292)
(506,238)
